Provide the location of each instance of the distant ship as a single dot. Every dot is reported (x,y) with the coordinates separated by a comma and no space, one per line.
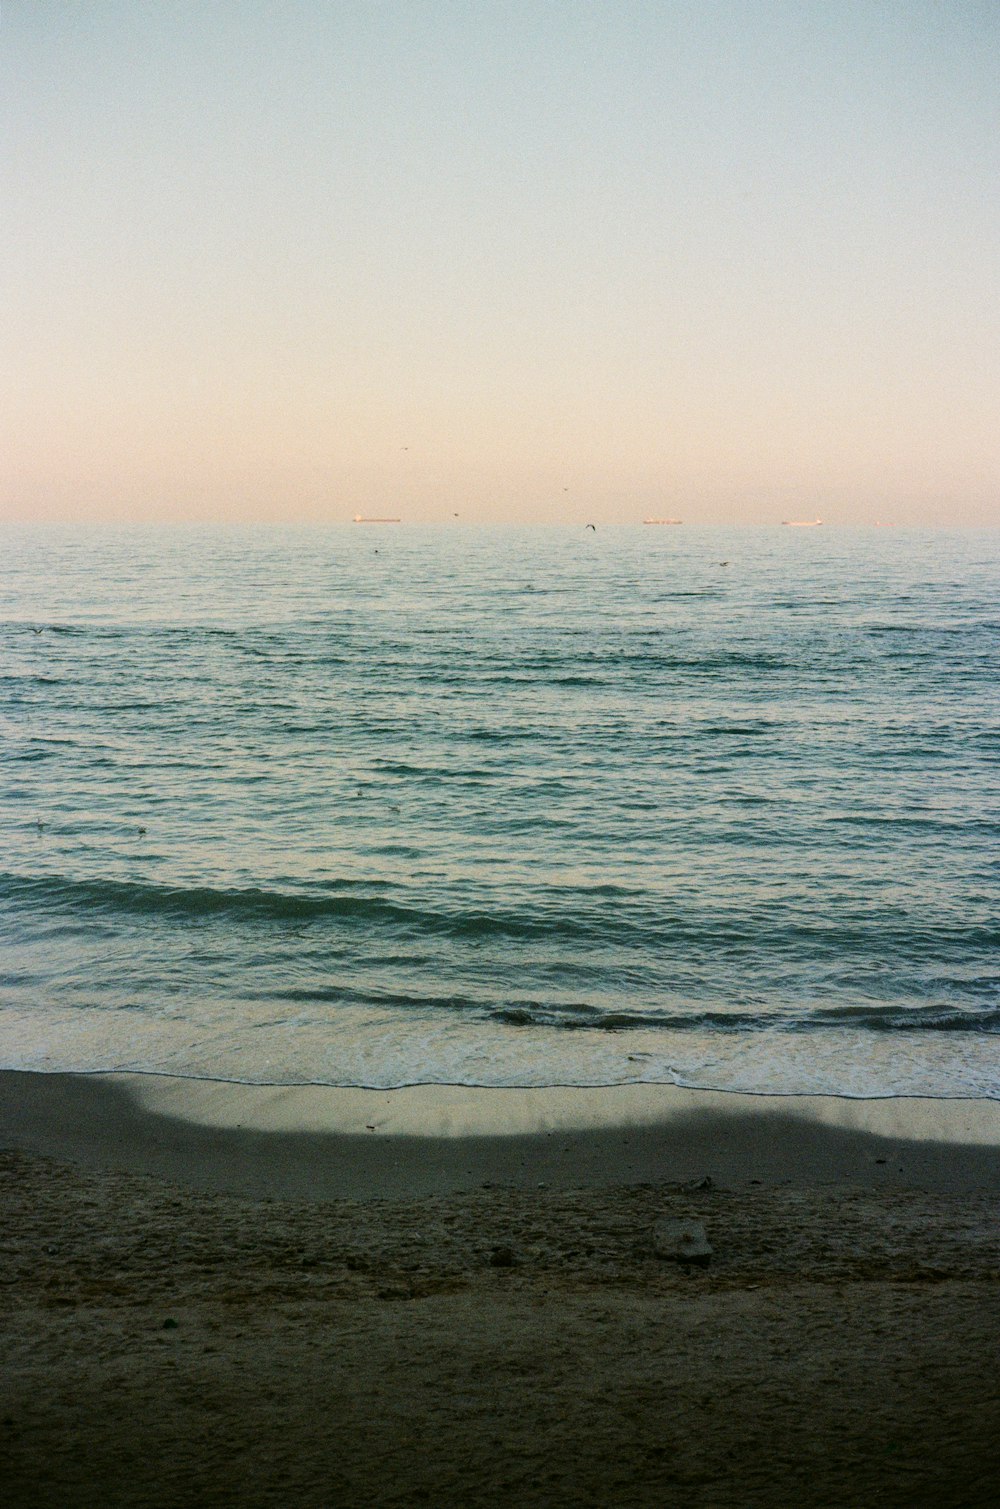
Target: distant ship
(663,521)
(360,519)
(801,523)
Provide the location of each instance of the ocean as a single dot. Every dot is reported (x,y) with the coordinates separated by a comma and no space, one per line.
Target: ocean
(385,805)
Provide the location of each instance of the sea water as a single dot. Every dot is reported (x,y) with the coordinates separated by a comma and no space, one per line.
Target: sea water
(379,805)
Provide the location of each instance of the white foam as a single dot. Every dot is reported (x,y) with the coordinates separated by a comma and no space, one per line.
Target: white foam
(385,1050)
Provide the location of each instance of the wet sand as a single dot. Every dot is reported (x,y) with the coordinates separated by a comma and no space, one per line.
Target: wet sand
(214,1296)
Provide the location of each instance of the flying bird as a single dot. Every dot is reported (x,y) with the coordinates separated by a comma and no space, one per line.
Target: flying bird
(593,527)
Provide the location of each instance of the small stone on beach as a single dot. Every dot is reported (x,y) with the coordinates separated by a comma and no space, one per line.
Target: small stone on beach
(682,1242)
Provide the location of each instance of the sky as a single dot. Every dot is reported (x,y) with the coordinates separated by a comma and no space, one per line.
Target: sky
(284,261)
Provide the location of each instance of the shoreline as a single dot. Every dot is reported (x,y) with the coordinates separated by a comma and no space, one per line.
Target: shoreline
(324,1143)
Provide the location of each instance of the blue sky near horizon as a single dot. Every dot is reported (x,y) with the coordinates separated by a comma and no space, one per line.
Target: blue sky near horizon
(521,261)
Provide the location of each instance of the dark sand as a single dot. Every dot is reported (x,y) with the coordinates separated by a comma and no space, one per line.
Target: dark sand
(275,1313)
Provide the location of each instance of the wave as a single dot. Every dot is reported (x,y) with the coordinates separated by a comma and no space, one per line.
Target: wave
(344,900)
(889,1018)
(602,917)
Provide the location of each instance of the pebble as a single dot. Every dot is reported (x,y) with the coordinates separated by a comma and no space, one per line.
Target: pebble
(682,1242)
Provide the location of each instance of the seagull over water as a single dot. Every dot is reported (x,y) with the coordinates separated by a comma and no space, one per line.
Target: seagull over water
(593,527)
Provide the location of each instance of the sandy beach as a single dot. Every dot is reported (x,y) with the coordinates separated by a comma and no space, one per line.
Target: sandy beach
(222,1296)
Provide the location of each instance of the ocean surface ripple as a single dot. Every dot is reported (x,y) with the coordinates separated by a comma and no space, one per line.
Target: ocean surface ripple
(387,806)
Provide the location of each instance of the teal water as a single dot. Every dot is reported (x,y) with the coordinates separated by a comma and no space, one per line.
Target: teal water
(379,806)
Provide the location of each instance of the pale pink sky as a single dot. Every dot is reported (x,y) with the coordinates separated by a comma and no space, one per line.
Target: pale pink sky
(734,260)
